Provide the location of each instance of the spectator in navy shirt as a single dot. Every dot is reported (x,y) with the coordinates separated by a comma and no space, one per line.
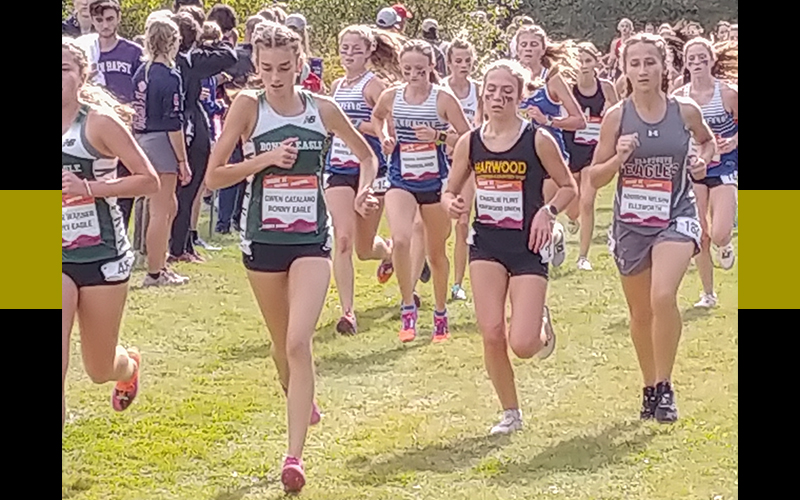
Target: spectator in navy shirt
(195,63)
(158,128)
(118,60)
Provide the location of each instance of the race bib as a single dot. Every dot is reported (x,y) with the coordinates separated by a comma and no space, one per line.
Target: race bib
(732,178)
(689,226)
(591,134)
(341,156)
(499,203)
(380,185)
(119,269)
(79,225)
(646,202)
(419,162)
(289,204)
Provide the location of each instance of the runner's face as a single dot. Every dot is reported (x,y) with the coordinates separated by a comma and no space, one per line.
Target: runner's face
(82,8)
(278,67)
(353,51)
(461,62)
(501,93)
(588,63)
(698,60)
(692,31)
(529,48)
(625,28)
(106,23)
(644,67)
(70,78)
(416,67)
(649,28)
(723,33)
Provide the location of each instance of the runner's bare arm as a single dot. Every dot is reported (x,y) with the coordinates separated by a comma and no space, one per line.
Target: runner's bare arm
(606,161)
(239,124)
(693,118)
(459,173)
(553,162)
(730,99)
(611,94)
(337,123)
(372,91)
(574,119)
(381,113)
(110,137)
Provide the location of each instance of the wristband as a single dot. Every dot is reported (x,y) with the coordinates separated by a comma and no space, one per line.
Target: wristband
(551,210)
(442,137)
(88,189)
(549,121)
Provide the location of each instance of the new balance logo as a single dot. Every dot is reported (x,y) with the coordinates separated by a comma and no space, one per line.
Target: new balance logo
(68,143)
(652,133)
(310,119)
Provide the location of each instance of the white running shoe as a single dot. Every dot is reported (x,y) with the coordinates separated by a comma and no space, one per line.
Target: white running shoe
(559,250)
(573,226)
(707,301)
(726,256)
(512,421)
(547,328)
(165,278)
(584,264)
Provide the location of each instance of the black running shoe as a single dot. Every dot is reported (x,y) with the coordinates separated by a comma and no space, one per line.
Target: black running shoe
(666,410)
(649,403)
(426,273)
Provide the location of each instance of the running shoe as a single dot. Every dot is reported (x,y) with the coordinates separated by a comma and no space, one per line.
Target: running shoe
(512,421)
(347,324)
(293,476)
(199,242)
(573,226)
(385,271)
(666,410)
(547,327)
(125,392)
(165,278)
(425,276)
(441,328)
(726,256)
(559,250)
(409,318)
(584,264)
(649,403)
(707,301)
(175,275)
(193,258)
(458,293)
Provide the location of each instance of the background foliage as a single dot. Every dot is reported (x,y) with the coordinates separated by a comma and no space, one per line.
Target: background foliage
(593,20)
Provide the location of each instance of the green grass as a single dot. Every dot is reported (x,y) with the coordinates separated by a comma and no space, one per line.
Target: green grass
(405,421)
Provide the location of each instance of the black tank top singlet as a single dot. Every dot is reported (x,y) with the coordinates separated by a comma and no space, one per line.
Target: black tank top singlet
(581,143)
(508,191)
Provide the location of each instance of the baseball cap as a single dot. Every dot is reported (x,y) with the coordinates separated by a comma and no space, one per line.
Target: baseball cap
(430,24)
(388,18)
(296,21)
(402,11)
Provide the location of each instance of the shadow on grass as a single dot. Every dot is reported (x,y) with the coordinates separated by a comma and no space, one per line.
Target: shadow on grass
(442,458)
(239,493)
(580,453)
(694,313)
(342,363)
(622,325)
(327,331)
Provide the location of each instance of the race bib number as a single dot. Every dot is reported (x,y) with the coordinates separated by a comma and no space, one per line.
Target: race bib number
(289,204)
(591,134)
(646,202)
(731,179)
(341,156)
(499,203)
(79,225)
(419,162)
(380,185)
(690,227)
(118,270)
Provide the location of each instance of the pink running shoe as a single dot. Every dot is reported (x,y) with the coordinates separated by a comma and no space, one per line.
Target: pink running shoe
(441,328)
(124,393)
(293,477)
(409,319)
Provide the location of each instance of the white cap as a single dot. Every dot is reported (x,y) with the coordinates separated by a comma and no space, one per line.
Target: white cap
(388,18)
(430,24)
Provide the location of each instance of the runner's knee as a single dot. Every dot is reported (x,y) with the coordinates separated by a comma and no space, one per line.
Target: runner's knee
(344,243)
(100,373)
(662,300)
(494,335)
(298,349)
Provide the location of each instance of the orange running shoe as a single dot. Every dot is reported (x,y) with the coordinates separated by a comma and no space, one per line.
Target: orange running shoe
(408,316)
(125,392)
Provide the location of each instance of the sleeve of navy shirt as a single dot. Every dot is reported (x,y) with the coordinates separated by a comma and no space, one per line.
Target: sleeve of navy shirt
(211,60)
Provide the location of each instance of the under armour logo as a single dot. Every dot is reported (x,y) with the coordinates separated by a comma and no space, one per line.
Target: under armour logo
(652,133)
(310,119)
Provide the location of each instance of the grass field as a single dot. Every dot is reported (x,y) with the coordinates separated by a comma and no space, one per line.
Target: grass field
(406,421)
